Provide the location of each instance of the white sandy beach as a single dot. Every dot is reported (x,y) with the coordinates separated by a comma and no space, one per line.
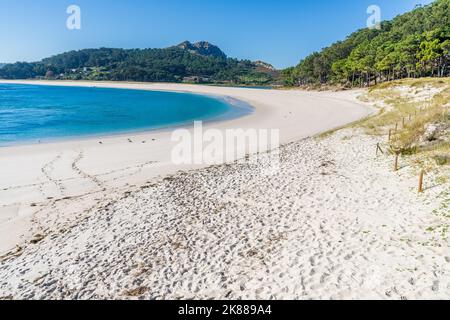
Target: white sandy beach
(43,183)
(118,220)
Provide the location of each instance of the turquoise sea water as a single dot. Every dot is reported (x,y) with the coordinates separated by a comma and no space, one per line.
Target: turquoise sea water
(35,114)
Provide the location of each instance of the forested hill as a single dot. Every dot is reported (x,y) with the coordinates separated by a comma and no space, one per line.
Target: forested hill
(187,62)
(414,44)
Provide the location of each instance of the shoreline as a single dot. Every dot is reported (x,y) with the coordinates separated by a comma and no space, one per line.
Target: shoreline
(263,109)
(45,186)
(238,109)
(334,222)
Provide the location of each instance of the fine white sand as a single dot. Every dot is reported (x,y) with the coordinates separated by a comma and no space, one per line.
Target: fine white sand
(335,222)
(44,188)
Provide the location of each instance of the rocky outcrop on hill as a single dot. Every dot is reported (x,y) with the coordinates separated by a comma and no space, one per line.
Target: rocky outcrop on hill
(203,48)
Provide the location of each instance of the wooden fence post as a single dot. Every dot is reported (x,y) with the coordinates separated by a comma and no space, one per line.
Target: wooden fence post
(379,149)
(396,162)
(422,173)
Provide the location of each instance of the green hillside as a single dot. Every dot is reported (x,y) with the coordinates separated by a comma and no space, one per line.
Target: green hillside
(415,44)
(201,62)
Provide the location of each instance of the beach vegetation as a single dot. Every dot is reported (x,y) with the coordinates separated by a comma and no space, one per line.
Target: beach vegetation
(415,115)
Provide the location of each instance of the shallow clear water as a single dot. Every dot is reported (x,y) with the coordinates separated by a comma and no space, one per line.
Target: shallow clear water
(33,114)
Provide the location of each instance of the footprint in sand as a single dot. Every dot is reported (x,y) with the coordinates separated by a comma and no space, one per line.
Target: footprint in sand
(47,171)
(76,168)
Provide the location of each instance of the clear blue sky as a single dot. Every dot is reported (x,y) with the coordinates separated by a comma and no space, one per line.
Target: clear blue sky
(280,32)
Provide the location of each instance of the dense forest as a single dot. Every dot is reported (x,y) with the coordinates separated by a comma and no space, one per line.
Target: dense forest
(414,44)
(187,62)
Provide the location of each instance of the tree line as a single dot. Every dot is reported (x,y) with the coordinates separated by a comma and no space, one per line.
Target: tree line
(415,44)
(147,65)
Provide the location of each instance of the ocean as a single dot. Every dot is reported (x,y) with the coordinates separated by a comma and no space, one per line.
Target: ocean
(37,114)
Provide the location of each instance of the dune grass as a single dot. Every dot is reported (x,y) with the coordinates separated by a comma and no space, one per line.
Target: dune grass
(408,106)
(419,103)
